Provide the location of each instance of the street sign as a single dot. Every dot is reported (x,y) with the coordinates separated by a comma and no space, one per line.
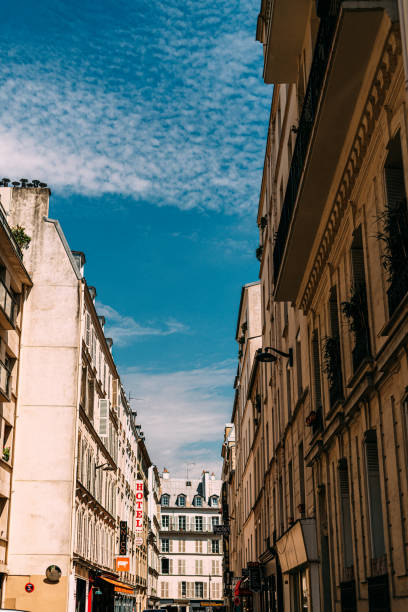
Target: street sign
(255,579)
(123,537)
(29,587)
(138,541)
(221,529)
(122,564)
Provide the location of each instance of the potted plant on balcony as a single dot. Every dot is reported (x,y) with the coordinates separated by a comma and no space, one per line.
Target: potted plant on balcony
(19,235)
(6,453)
(259,252)
(356,313)
(331,359)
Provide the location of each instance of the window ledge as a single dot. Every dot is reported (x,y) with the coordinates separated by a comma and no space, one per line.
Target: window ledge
(396,318)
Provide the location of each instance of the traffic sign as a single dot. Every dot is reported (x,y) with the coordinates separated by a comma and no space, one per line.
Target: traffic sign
(138,541)
(29,587)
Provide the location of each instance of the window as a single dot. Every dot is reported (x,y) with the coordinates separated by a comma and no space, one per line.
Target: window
(356,310)
(198,523)
(394,230)
(374,495)
(302,478)
(165,545)
(164,588)
(198,546)
(215,567)
(165,500)
(183,589)
(182,546)
(199,567)
(214,501)
(165,521)
(199,589)
(316,371)
(181,500)
(198,502)
(165,566)
(215,520)
(181,567)
(345,514)
(182,523)
(215,546)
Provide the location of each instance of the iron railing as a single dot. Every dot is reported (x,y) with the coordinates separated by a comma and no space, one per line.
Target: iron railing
(7,229)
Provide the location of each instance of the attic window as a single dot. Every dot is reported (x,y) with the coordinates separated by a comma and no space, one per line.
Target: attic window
(188,483)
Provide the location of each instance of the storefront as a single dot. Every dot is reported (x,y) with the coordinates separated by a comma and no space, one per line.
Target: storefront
(298,557)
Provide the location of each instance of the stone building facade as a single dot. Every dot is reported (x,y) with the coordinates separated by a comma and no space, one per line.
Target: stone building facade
(330,501)
(190,552)
(77,451)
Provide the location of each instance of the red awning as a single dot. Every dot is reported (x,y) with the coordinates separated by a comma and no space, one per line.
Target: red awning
(240,589)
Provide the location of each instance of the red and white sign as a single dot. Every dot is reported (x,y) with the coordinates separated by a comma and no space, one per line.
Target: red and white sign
(122,564)
(139,503)
(29,587)
(138,541)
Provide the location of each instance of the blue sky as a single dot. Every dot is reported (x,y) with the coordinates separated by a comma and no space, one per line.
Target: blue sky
(148,121)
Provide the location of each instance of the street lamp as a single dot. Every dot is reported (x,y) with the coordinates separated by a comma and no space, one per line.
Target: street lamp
(106,467)
(264,356)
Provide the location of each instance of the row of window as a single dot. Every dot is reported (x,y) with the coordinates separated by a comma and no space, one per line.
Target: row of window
(97,482)
(187,523)
(182,499)
(197,590)
(213,546)
(93,541)
(167,567)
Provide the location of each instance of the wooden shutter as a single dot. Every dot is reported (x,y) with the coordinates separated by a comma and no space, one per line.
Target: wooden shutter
(345,515)
(179,589)
(170,566)
(205,590)
(87,329)
(316,369)
(374,494)
(187,523)
(115,392)
(204,523)
(103,420)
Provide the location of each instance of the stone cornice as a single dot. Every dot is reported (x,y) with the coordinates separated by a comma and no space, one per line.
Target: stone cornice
(370,115)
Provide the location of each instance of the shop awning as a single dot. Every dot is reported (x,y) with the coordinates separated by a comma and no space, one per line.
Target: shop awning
(120,587)
(241,588)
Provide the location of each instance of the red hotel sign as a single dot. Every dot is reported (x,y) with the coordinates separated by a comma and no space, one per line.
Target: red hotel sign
(139,506)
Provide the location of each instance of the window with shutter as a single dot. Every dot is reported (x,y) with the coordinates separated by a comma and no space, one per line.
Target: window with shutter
(374,495)
(87,329)
(205,590)
(358,311)
(345,515)
(170,545)
(332,352)
(103,420)
(170,566)
(91,399)
(316,371)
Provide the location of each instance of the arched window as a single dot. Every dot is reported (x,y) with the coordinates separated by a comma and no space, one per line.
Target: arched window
(181,500)
(165,500)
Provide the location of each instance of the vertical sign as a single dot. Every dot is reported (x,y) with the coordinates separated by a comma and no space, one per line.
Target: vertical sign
(123,538)
(139,506)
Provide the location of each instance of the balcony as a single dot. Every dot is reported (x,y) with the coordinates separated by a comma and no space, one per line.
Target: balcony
(347,36)
(8,308)
(174,527)
(282,51)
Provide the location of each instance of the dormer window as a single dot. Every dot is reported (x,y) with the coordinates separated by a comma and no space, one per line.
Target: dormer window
(214,501)
(165,500)
(198,502)
(181,500)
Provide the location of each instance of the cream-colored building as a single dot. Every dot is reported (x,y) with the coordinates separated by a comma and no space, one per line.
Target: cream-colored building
(190,552)
(15,285)
(78,451)
(330,488)
(153,538)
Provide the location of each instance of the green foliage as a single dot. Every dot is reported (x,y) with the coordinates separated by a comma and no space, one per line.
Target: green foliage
(355,310)
(331,358)
(6,453)
(19,235)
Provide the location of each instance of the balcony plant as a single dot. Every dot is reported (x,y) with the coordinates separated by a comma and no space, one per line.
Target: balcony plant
(331,358)
(356,313)
(244,327)
(259,252)
(20,236)
(394,236)
(6,453)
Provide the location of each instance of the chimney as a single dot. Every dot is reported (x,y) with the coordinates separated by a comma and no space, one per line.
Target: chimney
(166,474)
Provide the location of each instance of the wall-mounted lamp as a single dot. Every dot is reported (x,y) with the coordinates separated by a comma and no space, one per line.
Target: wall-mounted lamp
(263,355)
(106,467)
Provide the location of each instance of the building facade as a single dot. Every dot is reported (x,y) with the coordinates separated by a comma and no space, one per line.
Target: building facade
(329,499)
(190,552)
(153,538)
(77,454)
(15,285)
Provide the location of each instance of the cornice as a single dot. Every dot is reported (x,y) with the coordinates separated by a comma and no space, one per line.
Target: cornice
(364,132)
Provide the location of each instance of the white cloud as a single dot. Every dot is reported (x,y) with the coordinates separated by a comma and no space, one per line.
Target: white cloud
(124,329)
(183,414)
(171,110)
